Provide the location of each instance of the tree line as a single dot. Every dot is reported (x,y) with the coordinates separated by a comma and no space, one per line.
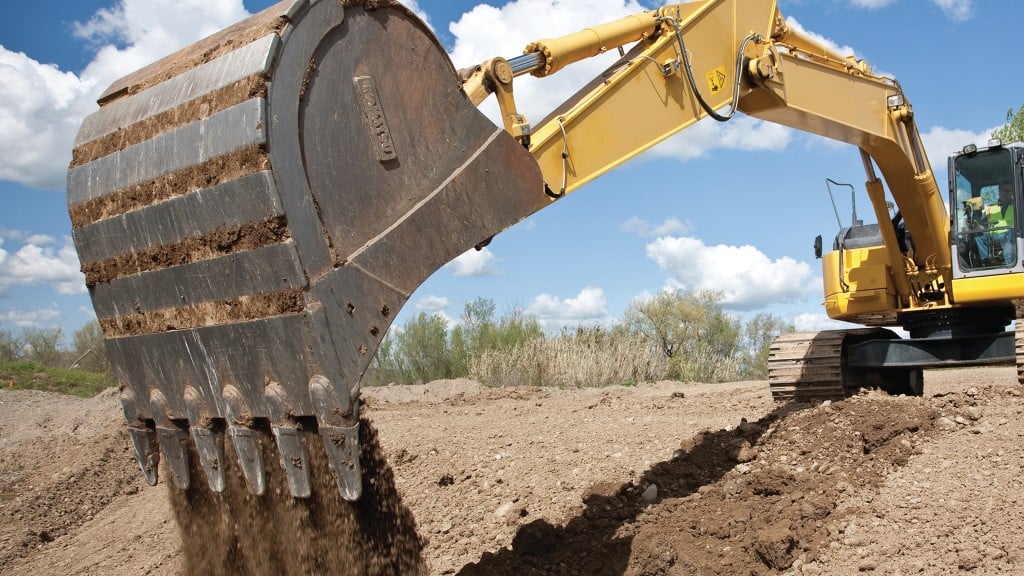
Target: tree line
(46,347)
(672,336)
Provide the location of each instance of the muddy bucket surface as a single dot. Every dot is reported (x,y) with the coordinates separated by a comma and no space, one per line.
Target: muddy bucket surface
(253,211)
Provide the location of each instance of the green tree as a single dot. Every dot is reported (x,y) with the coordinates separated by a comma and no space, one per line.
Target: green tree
(478,325)
(422,346)
(386,366)
(10,346)
(470,337)
(1013,130)
(758,334)
(425,349)
(479,332)
(458,352)
(43,346)
(697,337)
(515,328)
(88,349)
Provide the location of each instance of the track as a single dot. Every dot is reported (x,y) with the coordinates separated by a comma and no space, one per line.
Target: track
(1019,340)
(807,366)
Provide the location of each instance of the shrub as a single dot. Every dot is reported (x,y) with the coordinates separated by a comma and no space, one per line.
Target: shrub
(698,339)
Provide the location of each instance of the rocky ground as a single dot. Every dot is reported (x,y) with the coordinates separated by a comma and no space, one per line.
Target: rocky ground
(665,478)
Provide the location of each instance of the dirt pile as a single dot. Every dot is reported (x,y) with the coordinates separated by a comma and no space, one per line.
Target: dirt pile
(664,478)
(58,469)
(746,500)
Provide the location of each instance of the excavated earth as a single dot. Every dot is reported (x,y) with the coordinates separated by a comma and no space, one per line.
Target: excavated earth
(658,479)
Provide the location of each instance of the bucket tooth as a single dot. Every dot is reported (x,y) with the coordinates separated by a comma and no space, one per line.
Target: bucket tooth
(333,405)
(342,446)
(208,440)
(335,411)
(210,447)
(288,435)
(294,460)
(247,448)
(147,452)
(174,446)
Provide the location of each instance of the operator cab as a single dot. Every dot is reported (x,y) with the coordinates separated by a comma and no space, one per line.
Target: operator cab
(985,196)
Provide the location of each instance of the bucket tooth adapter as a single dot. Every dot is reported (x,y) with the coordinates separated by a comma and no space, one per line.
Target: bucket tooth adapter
(252,212)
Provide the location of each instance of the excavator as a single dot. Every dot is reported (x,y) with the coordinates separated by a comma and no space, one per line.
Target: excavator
(252,212)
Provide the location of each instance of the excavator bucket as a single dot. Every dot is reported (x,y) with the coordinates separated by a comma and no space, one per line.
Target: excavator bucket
(252,212)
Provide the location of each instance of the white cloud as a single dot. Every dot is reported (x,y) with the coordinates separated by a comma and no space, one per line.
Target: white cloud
(589,306)
(448,320)
(40,239)
(134,33)
(641,227)
(958,10)
(642,297)
(813,322)
(941,142)
(39,318)
(871,4)
(474,262)
(745,276)
(10,234)
(34,264)
(740,133)
(41,107)
(486,32)
(432,303)
(40,110)
(841,49)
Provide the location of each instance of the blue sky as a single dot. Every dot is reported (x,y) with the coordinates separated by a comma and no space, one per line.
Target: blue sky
(658,222)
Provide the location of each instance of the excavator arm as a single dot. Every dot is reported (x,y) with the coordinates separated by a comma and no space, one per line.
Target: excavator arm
(692,61)
(252,212)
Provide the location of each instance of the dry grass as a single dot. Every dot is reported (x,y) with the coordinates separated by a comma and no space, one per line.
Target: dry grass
(586,358)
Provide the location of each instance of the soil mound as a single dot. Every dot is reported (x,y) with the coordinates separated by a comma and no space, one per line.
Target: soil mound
(745,500)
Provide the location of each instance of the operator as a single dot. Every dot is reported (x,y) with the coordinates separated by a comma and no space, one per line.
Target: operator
(999,220)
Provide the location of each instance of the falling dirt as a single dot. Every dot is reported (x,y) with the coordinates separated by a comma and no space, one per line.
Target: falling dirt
(657,479)
(238,533)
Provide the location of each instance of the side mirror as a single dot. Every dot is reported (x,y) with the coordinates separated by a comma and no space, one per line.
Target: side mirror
(817,247)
